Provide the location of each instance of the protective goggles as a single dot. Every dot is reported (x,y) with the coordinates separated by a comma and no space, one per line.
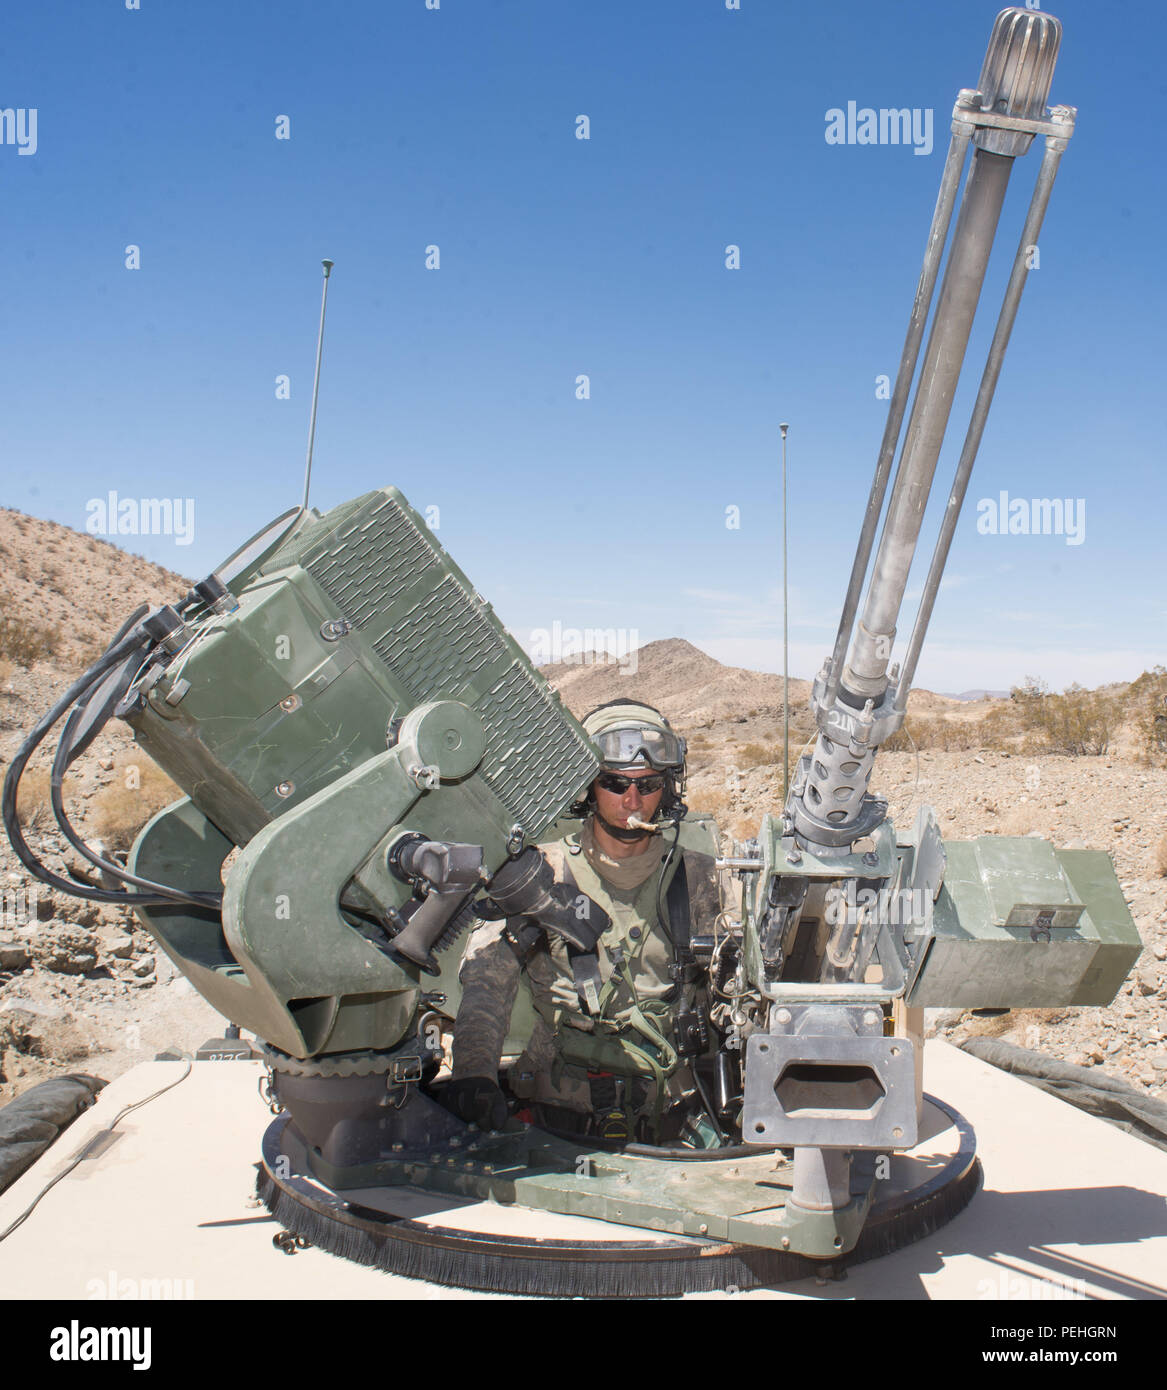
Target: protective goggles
(617,783)
(625,747)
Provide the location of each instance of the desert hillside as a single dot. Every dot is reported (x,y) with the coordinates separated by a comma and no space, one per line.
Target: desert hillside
(72,588)
(82,987)
(691,689)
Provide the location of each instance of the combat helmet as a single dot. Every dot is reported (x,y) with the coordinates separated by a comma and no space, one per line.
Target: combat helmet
(632,734)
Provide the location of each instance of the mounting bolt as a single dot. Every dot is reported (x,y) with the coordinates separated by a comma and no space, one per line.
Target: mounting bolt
(290,702)
(786,1242)
(177,692)
(783,1015)
(285,788)
(871,1018)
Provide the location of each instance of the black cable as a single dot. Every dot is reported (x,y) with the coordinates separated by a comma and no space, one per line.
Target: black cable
(662,915)
(138,613)
(88,1148)
(61,765)
(113,653)
(16,768)
(706,1103)
(66,755)
(666,922)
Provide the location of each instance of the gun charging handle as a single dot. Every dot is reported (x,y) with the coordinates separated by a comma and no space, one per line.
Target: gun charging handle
(446,873)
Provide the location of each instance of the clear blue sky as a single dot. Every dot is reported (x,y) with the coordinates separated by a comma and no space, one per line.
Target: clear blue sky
(456,127)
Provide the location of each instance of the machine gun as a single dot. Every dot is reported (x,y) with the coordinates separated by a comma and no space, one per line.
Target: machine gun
(368,760)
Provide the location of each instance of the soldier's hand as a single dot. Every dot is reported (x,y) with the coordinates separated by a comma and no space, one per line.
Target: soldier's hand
(477,1100)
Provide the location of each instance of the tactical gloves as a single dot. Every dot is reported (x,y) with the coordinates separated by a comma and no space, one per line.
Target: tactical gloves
(477,1100)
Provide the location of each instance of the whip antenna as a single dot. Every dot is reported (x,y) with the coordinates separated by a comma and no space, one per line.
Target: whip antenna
(316,382)
(785,638)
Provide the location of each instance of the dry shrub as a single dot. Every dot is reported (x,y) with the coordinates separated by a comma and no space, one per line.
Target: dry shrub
(1021,820)
(717,802)
(83,653)
(899,741)
(1159,856)
(55,577)
(119,810)
(24,642)
(1146,705)
(713,800)
(1080,722)
(946,735)
(755,755)
(999,727)
(34,809)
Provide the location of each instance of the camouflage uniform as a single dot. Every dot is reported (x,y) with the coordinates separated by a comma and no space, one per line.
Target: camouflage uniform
(630,1039)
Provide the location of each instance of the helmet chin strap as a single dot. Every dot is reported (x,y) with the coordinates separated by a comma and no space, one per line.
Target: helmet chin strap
(620,832)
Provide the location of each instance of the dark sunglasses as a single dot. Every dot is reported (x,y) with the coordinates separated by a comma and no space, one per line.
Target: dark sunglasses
(614,782)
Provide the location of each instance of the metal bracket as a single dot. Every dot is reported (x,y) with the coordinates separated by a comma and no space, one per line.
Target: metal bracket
(829,1079)
(968,111)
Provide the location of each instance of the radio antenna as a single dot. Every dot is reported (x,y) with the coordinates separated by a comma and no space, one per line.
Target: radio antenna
(785,638)
(316,382)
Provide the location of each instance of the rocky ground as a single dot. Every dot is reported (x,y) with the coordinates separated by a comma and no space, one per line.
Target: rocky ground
(82,985)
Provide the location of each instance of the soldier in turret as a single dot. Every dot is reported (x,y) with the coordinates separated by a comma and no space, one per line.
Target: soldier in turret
(616,1030)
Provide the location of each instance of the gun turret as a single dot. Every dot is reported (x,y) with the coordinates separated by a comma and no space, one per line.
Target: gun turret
(367,758)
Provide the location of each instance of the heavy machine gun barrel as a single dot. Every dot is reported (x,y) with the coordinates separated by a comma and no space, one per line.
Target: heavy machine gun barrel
(858,702)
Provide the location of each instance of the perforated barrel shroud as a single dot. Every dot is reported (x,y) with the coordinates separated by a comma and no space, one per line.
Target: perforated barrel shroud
(393,582)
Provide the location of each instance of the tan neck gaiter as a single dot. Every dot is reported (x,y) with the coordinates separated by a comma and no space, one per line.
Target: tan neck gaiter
(624,874)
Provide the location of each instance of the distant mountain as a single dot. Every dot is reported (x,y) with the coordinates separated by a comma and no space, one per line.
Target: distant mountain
(684,683)
(689,686)
(981,695)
